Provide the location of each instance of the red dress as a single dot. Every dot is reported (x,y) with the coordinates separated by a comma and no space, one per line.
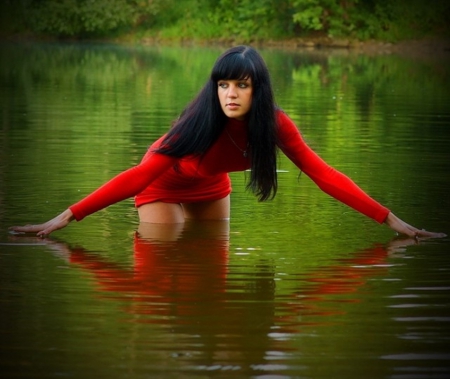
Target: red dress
(205,178)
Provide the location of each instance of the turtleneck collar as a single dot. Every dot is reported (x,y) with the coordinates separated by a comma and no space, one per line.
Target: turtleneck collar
(233,123)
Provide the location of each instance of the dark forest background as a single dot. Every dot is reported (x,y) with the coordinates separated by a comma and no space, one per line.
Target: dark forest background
(238,20)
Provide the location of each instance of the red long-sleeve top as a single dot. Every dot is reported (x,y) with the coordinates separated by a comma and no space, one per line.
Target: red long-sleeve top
(206,178)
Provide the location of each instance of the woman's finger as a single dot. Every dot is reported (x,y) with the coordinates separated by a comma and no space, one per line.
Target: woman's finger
(27,228)
(425,233)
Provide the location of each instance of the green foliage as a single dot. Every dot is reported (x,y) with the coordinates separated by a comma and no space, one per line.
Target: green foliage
(81,17)
(408,18)
(244,20)
(385,19)
(231,19)
(334,17)
(184,19)
(238,20)
(310,17)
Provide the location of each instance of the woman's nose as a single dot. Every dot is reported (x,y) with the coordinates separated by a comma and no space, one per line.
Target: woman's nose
(232,91)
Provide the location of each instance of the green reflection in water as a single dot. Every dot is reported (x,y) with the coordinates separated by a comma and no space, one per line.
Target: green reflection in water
(289,292)
(75,115)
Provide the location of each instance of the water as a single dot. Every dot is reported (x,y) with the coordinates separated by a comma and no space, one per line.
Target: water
(300,287)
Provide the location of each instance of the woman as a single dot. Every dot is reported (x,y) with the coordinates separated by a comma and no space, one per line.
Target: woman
(232,125)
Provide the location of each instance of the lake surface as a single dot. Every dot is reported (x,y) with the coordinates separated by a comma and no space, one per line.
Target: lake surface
(299,287)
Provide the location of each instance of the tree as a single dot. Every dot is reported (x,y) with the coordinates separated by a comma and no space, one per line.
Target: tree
(81,17)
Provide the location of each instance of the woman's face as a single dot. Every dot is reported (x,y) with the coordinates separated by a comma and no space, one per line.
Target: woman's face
(235,97)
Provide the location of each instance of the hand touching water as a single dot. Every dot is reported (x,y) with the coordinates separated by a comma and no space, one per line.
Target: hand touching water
(63,219)
(402,227)
(41,230)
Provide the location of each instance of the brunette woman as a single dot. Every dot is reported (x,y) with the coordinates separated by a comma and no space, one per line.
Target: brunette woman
(233,124)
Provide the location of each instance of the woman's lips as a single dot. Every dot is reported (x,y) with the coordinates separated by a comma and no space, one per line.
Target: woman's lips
(233,106)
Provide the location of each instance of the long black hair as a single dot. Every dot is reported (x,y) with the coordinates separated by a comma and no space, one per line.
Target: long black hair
(203,120)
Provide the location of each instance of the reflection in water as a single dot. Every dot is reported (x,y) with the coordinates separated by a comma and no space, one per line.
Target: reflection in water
(180,280)
(176,268)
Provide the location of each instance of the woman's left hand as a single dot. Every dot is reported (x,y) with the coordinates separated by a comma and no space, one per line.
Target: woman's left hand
(402,227)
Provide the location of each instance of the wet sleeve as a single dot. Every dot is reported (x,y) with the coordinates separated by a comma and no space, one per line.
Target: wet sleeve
(123,186)
(328,179)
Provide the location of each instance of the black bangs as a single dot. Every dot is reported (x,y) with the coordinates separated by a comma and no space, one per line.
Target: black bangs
(233,66)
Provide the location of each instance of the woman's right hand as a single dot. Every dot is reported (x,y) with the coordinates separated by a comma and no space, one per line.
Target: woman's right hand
(41,230)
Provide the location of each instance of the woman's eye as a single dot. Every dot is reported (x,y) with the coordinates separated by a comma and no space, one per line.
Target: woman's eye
(225,85)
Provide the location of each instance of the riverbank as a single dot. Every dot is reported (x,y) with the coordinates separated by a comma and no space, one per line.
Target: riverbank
(429,46)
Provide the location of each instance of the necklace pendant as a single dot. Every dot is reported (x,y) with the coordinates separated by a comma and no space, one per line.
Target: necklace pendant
(244,152)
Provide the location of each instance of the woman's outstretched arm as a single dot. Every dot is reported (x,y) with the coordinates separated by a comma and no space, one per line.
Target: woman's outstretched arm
(123,186)
(59,222)
(337,184)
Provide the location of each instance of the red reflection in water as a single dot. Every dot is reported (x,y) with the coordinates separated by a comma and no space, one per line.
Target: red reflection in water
(175,268)
(181,270)
(179,280)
